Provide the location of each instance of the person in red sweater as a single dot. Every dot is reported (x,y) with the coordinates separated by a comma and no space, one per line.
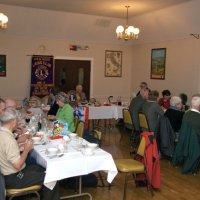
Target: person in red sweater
(164,102)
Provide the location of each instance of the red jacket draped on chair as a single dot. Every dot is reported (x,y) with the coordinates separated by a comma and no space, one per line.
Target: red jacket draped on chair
(151,159)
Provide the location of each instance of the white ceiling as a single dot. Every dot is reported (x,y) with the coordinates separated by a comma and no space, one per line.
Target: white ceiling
(108,8)
(170,23)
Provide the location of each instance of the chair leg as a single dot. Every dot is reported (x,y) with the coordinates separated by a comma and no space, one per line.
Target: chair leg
(101,179)
(125,185)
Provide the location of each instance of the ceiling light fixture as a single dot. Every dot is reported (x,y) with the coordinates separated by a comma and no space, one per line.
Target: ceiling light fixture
(3,21)
(129,32)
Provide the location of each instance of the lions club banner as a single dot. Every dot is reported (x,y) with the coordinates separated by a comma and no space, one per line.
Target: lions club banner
(41,75)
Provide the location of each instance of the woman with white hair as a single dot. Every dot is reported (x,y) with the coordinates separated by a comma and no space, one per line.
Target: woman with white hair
(80,95)
(65,112)
(174,113)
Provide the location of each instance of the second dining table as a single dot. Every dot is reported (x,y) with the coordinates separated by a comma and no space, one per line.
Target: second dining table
(73,163)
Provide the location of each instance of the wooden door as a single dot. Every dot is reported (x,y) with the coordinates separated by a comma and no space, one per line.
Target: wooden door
(69,73)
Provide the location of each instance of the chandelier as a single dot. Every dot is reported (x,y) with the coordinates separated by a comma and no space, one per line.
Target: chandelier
(129,32)
(3,21)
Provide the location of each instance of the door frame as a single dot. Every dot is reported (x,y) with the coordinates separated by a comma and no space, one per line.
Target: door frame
(80,58)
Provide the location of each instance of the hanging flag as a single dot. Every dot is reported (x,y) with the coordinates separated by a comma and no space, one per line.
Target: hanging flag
(41,75)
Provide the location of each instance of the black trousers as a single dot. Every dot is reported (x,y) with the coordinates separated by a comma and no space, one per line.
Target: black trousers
(29,176)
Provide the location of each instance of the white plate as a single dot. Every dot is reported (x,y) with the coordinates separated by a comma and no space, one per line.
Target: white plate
(41,142)
(51,151)
(88,154)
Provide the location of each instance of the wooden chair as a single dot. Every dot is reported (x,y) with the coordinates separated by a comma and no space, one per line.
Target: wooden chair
(143,122)
(80,128)
(131,166)
(12,193)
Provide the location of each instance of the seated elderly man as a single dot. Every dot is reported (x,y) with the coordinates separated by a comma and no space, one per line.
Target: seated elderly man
(12,164)
(19,129)
(136,106)
(174,113)
(193,115)
(152,110)
(187,151)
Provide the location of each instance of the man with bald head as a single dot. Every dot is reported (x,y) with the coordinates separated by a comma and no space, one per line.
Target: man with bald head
(19,130)
(11,103)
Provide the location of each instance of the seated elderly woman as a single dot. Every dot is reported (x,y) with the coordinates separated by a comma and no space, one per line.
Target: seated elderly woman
(174,113)
(80,95)
(152,110)
(65,111)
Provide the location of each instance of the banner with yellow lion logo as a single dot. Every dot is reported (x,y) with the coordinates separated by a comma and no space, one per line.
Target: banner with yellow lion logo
(41,75)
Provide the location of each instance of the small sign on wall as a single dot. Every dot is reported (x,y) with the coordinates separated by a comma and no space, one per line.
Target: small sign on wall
(2,65)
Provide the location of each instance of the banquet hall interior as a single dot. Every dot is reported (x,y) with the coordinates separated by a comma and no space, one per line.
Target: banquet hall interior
(82,34)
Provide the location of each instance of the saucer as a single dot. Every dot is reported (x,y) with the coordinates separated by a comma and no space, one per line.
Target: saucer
(51,151)
(88,154)
(41,142)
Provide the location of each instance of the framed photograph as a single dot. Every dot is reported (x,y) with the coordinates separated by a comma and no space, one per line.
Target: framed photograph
(113,63)
(2,65)
(158,57)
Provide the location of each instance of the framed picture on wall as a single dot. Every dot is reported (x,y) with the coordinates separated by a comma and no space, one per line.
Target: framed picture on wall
(158,58)
(2,65)
(113,63)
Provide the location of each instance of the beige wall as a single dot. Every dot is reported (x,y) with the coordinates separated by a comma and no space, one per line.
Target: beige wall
(182,66)
(17,82)
(29,28)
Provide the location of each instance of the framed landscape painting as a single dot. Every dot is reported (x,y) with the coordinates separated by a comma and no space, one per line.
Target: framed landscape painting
(2,65)
(158,58)
(113,63)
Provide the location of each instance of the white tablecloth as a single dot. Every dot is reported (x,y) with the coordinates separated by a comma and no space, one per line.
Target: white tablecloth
(73,163)
(105,112)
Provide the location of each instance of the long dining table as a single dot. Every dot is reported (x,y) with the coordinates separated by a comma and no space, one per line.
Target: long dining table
(73,163)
